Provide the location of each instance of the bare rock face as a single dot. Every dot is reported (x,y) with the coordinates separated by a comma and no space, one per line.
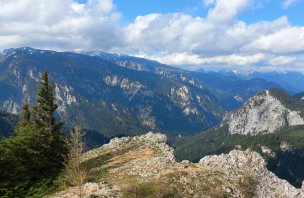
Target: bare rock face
(261,114)
(252,166)
(145,166)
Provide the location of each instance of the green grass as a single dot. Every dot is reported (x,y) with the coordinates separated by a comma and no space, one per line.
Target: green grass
(150,190)
(294,132)
(95,167)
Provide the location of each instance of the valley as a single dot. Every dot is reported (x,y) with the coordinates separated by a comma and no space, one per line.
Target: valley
(201,113)
(117,95)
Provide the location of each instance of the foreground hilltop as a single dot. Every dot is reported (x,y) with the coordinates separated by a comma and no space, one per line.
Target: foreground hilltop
(145,166)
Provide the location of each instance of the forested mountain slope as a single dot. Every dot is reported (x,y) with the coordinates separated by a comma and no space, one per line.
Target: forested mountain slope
(112,95)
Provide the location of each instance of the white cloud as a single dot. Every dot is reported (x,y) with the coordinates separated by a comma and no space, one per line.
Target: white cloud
(284,41)
(282,60)
(288,3)
(60,24)
(219,39)
(227,10)
(180,39)
(193,59)
(180,33)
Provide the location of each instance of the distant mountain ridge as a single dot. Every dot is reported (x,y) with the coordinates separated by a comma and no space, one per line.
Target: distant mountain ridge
(230,91)
(101,96)
(291,81)
(116,95)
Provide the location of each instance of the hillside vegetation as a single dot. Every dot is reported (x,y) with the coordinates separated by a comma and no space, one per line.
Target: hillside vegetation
(7,123)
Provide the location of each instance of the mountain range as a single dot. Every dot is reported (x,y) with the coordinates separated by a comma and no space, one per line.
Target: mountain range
(111,95)
(291,81)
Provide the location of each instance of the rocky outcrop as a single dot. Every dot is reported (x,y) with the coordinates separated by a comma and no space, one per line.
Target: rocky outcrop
(262,114)
(251,165)
(145,165)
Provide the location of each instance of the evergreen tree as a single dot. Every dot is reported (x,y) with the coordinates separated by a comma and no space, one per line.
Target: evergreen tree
(32,158)
(43,112)
(25,117)
(50,139)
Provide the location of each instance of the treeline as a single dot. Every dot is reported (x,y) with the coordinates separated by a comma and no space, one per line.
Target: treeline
(33,157)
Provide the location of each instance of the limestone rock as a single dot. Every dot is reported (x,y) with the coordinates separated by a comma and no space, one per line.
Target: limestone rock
(261,114)
(251,164)
(147,160)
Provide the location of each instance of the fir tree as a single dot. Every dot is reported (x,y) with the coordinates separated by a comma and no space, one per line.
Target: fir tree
(50,139)
(43,112)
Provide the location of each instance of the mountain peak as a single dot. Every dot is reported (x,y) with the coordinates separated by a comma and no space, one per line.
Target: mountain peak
(24,51)
(265,113)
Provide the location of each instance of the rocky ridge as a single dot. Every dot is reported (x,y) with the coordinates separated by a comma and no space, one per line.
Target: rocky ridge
(262,114)
(145,165)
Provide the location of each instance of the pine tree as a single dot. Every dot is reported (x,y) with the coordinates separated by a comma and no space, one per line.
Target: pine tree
(50,139)
(43,112)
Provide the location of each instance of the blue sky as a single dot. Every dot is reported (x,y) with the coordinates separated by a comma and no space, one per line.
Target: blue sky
(262,10)
(193,34)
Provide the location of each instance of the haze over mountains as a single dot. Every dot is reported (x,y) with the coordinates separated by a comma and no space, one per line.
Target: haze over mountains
(116,95)
(291,81)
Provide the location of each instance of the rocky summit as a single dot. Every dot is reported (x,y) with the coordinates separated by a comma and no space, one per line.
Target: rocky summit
(264,113)
(144,166)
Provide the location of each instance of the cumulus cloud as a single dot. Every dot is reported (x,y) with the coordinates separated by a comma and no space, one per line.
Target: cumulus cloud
(59,24)
(226,10)
(219,39)
(287,40)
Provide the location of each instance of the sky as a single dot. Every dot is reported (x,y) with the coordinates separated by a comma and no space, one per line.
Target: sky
(244,35)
